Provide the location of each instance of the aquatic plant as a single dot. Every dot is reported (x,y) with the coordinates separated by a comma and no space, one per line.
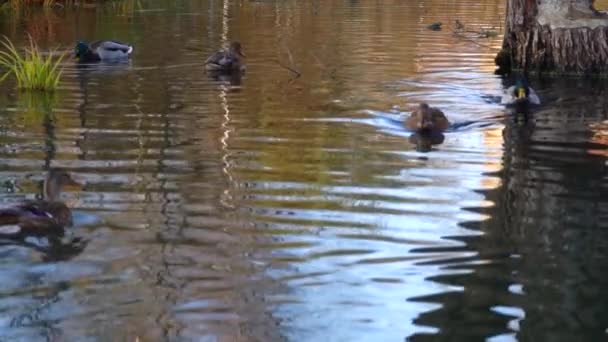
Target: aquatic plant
(32,70)
(125,7)
(18,4)
(34,107)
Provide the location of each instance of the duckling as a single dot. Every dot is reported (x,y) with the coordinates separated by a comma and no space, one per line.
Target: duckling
(226,60)
(42,217)
(427,119)
(519,94)
(102,50)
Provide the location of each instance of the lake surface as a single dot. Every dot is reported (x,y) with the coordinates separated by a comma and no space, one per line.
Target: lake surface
(284,208)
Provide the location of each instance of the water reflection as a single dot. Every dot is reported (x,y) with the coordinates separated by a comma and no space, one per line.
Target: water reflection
(282,208)
(52,249)
(535,271)
(233,79)
(425,141)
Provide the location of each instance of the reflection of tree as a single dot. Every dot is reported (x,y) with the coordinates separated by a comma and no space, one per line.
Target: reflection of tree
(544,245)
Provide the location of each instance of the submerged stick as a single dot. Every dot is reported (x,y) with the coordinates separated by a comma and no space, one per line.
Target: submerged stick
(297,73)
(290,56)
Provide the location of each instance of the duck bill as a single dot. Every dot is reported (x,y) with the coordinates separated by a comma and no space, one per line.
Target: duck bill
(521,93)
(242,54)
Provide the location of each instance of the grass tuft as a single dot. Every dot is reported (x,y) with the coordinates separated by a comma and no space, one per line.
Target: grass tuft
(18,4)
(31,70)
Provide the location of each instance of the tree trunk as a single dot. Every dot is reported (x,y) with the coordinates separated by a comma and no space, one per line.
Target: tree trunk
(562,36)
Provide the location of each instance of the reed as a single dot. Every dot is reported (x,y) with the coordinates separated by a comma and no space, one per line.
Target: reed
(19,4)
(32,70)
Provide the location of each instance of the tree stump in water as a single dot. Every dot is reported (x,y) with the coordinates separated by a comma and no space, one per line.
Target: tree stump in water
(555,36)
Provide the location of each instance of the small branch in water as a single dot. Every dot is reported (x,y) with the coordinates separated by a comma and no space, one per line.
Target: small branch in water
(471,40)
(297,73)
(458,30)
(290,56)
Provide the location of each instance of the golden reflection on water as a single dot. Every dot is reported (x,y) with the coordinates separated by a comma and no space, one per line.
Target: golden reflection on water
(224,206)
(272,207)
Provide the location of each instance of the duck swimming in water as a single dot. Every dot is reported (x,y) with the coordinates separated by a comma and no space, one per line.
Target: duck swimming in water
(41,217)
(227,60)
(520,94)
(102,50)
(427,119)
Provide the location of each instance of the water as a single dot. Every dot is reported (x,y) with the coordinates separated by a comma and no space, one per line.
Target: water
(278,207)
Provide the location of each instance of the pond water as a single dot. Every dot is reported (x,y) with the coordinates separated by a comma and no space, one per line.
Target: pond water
(276,207)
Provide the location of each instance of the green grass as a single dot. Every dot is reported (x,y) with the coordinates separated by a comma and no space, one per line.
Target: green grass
(31,70)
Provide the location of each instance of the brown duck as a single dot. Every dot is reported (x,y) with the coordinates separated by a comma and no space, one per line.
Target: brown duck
(42,217)
(427,119)
(226,61)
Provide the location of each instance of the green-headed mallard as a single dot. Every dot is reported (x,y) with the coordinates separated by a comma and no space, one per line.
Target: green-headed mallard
(427,119)
(102,50)
(519,94)
(226,60)
(41,217)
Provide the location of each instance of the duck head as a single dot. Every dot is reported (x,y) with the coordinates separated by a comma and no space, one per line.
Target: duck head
(55,180)
(424,117)
(521,90)
(81,49)
(235,48)
(427,119)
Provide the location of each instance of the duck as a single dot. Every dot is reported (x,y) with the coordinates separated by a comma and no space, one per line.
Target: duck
(102,50)
(427,119)
(227,60)
(435,26)
(520,94)
(41,217)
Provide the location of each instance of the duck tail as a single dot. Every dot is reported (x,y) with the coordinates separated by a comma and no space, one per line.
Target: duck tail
(9,216)
(130,50)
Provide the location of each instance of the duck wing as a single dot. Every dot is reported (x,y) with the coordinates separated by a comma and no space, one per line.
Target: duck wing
(55,211)
(533,97)
(508,97)
(35,218)
(218,58)
(22,220)
(111,45)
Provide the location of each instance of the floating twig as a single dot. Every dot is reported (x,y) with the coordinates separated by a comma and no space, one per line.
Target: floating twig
(459,31)
(296,72)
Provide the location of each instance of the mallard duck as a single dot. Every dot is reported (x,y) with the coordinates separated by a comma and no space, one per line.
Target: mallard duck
(102,50)
(42,217)
(518,94)
(427,119)
(227,60)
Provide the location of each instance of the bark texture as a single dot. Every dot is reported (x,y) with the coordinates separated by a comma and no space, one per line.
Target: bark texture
(564,36)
